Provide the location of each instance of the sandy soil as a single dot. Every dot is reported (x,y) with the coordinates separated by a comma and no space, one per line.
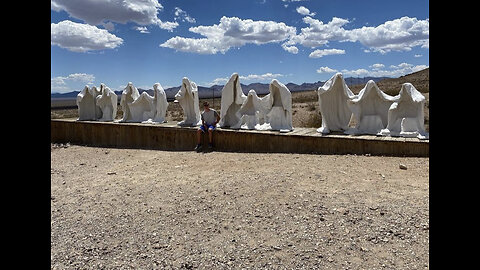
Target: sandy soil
(148,209)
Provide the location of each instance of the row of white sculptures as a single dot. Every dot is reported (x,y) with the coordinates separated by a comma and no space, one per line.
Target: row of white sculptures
(374,111)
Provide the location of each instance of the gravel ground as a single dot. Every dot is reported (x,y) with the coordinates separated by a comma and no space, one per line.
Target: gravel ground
(149,209)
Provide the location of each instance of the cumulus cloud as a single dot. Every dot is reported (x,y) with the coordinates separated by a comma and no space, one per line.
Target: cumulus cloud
(142,29)
(183,16)
(326,70)
(321,53)
(62,84)
(78,37)
(305,11)
(377,70)
(396,35)
(266,77)
(142,12)
(230,32)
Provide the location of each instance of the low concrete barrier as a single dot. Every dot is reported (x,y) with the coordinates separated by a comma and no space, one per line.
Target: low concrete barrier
(169,136)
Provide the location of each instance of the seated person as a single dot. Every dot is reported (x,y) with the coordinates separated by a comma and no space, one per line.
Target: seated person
(210,118)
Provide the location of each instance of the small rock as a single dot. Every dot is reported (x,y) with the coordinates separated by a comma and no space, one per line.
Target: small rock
(402,166)
(110,173)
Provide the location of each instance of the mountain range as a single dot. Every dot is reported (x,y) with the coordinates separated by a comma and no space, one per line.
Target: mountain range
(216,90)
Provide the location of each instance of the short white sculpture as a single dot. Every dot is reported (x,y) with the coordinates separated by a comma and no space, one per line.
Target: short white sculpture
(252,111)
(87,108)
(232,99)
(370,110)
(332,100)
(129,95)
(406,114)
(279,107)
(187,97)
(107,102)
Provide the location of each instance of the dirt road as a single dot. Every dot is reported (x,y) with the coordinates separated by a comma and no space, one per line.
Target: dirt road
(148,209)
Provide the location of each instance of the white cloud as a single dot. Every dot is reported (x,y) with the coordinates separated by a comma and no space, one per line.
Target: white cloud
(230,32)
(260,78)
(396,35)
(290,49)
(326,70)
(305,11)
(377,66)
(183,16)
(142,29)
(79,37)
(267,77)
(321,53)
(69,83)
(142,12)
(417,55)
(393,72)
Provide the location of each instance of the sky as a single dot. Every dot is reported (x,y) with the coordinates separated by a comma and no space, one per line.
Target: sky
(148,41)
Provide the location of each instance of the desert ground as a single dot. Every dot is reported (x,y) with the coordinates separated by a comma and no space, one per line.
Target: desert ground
(115,208)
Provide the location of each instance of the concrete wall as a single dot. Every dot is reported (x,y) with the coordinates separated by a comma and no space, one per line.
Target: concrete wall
(172,137)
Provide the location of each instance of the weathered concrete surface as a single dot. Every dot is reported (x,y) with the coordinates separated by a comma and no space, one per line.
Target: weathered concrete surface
(169,136)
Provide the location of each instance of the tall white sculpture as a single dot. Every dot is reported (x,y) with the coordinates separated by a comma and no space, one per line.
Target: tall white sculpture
(370,109)
(406,114)
(279,107)
(187,97)
(129,94)
(87,108)
(160,102)
(232,99)
(107,102)
(252,111)
(332,100)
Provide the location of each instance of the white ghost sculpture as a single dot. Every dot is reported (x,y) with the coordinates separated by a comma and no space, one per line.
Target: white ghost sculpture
(252,111)
(87,108)
(160,102)
(107,102)
(332,100)
(406,114)
(232,99)
(370,109)
(187,97)
(279,108)
(129,94)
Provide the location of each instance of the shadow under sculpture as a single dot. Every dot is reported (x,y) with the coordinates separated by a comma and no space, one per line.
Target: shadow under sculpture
(406,114)
(87,107)
(188,99)
(231,102)
(332,100)
(129,95)
(107,102)
(278,107)
(370,110)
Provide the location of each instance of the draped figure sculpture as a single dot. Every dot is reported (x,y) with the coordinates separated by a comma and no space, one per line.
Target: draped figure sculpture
(129,94)
(370,109)
(332,100)
(252,111)
(187,97)
(232,99)
(107,102)
(278,107)
(142,108)
(160,104)
(87,107)
(406,114)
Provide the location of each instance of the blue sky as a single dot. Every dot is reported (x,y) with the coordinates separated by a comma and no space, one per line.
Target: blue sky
(148,41)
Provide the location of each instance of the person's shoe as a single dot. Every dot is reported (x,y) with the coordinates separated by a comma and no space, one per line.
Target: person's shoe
(210,146)
(198,147)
